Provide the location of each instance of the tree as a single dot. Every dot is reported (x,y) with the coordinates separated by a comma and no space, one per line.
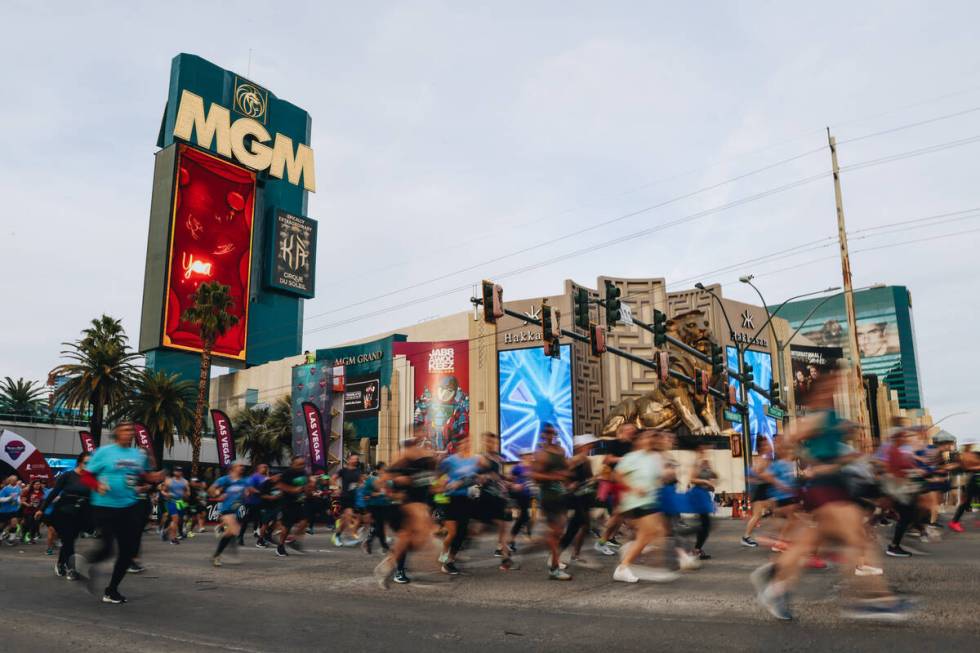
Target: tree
(163,404)
(21,397)
(264,434)
(210,313)
(101,373)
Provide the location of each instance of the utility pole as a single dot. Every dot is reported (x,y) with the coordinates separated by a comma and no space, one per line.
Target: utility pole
(845,263)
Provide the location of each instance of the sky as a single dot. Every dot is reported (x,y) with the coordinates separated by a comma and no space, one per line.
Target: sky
(462,141)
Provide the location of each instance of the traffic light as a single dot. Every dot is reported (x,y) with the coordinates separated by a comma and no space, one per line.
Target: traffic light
(582,309)
(749,377)
(717,362)
(597,338)
(613,304)
(732,394)
(493,302)
(549,340)
(702,381)
(659,328)
(774,392)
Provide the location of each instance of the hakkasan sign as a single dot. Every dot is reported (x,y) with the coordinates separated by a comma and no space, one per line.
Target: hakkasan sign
(230,193)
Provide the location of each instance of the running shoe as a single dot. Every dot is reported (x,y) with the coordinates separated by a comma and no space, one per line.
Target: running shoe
(281,551)
(175,541)
(889,612)
(687,562)
(216,561)
(49,552)
(335,540)
(776,604)
(72,575)
(559,574)
(506,565)
(779,546)
(702,555)
(625,575)
(498,553)
(450,568)
(762,576)
(113,597)
(658,575)
(816,562)
(604,548)
(60,570)
(868,570)
(443,558)
(896,551)
(401,578)
(956,527)
(613,542)
(749,542)
(136,568)
(513,547)
(261,544)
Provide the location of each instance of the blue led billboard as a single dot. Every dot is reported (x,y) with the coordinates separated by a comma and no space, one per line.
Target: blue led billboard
(534,389)
(760,423)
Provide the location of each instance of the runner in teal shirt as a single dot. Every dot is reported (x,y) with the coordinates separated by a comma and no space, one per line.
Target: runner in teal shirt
(119,469)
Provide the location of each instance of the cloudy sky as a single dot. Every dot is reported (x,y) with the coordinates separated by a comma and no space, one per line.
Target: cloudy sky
(457,141)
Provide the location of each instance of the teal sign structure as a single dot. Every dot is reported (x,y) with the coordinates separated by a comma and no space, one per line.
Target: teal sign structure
(245,127)
(364,362)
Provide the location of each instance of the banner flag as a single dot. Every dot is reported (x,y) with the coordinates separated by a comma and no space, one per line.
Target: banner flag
(145,442)
(314,430)
(224,438)
(88,442)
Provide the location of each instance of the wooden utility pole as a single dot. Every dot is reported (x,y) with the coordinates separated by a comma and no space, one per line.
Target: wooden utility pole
(863,418)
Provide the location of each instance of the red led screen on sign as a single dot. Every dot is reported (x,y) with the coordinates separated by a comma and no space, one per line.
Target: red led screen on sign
(210,240)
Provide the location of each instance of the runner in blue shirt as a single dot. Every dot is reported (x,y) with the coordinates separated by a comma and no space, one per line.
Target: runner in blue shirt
(9,509)
(119,469)
(231,491)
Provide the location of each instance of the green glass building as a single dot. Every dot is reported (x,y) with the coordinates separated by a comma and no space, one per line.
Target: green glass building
(885,335)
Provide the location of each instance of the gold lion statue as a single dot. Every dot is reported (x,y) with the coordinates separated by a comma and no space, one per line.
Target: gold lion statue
(674,402)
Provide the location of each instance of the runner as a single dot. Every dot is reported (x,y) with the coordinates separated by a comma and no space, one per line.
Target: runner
(70,511)
(269,509)
(31,499)
(460,469)
(410,480)
(293,484)
(118,515)
(969,464)
(642,473)
(836,517)
(615,450)
(550,472)
(700,499)
(379,505)
(582,494)
(348,478)
(176,489)
(491,505)
(760,480)
(9,510)
(253,503)
(521,487)
(230,491)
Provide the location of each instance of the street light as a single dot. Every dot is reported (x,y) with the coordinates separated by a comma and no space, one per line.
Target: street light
(962,412)
(743,390)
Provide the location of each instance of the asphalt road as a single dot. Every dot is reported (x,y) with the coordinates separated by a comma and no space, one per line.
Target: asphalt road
(328,600)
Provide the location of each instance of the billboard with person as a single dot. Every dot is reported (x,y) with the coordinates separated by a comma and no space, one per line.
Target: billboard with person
(809,363)
(441,390)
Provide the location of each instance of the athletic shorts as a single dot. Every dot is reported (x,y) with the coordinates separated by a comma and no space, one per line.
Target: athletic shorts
(267,515)
(554,510)
(493,508)
(5,517)
(639,513)
(760,492)
(347,501)
(460,508)
(292,513)
(822,490)
(789,501)
(174,510)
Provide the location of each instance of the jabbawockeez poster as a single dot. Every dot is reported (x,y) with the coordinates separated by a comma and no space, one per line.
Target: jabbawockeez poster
(441,391)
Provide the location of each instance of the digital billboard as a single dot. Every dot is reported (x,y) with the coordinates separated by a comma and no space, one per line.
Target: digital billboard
(210,240)
(292,263)
(808,364)
(362,396)
(534,390)
(441,389)
(760,424)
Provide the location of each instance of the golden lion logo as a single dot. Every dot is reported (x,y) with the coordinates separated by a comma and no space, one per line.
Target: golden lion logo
(250,100)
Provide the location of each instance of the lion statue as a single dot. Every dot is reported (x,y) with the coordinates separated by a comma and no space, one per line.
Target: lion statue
(674,402)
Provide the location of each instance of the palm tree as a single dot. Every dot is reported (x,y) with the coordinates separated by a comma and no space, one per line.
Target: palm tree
(162,403)
(210,314)
(264,433)
(100,374)
(21,397)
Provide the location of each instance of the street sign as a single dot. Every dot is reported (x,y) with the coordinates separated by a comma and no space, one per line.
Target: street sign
(625,314)
(732,416)
(775,412)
